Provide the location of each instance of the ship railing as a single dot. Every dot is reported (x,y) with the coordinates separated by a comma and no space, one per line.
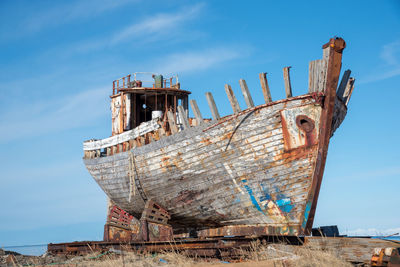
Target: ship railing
(143,78)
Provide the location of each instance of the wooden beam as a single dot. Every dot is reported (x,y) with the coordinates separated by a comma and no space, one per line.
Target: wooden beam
(246,93)
(183,117)
(343,84)
(288,86)
(265,87)
(213,107)
(196,112)
(349,90)
(232,99)
(172,123)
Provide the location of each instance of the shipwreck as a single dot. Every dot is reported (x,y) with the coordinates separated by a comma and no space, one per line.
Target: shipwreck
(256,172)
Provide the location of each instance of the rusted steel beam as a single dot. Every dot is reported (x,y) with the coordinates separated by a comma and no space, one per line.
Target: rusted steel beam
(232,99)
(335,47)
(265,87)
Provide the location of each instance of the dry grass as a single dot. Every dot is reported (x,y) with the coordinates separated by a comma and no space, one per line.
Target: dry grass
(274,255)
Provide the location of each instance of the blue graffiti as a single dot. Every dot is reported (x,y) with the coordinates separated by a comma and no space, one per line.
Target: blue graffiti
(306,213)
(253,198)
(284,204)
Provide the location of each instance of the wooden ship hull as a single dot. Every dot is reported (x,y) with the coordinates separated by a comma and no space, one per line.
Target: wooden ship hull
(257,171)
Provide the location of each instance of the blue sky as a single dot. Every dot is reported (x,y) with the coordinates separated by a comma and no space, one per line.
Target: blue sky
(58,60)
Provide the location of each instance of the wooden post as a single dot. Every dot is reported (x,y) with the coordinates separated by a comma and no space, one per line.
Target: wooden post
(172,123)
(349,90)
(113,87)
(288,86)
(183,117)
(246,93)
(213,107)
(343,84)
(129,81)
(265,87)
(232,99)
(196,112)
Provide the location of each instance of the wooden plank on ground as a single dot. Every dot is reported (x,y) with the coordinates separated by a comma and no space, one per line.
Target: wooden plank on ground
(183,117)
(213,107)
(246,94)
(196,112)
(232,99)
(172,123)
(265,87)
(288,86)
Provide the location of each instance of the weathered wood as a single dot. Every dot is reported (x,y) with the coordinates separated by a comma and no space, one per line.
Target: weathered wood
(351,249)
(196,112)
(183,117)
(172,123)
(142,129)
(349,90)
(246,93)
(213,107)
(288,86)
(232,99)
(343,84)
(265,87)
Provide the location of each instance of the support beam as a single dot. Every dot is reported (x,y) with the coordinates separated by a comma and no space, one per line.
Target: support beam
(213,107)
(172,123)
(232,99)
(343,84)
(183,117)
(196,112)
(288,86)
(265,87)
(246,93)
(349,90)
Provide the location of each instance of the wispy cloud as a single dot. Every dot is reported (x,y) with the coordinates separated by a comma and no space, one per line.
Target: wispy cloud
(161,26)
(390,56)
(70,12)
(372,232)
(197,60)
(158,26)
(38,118)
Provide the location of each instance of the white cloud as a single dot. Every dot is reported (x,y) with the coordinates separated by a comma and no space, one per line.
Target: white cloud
(372,232)
(390,56)
(196,60)
(62,14)
(53,115)
(159,25)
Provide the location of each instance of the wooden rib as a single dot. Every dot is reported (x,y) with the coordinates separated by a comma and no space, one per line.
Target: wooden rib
(213,107)
(232,99)
(288,86)
(343,84)
(172,123)
(196,112)
(183,117)
(246,93)
(265,87)
(311,76)
(349,90)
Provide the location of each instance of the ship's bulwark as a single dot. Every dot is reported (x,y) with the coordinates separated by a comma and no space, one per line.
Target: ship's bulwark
(254,168)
